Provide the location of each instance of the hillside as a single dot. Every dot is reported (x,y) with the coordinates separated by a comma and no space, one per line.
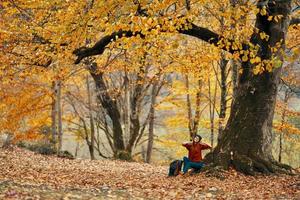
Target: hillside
(25,174)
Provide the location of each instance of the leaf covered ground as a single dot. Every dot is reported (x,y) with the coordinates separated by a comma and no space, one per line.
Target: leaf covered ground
(26,175)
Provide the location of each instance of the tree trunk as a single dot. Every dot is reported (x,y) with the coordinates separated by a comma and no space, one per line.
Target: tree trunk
(223,100)
(235,74)
(76,149)
(189,106)
(197,109)
(287,96)
(59,113)
(212,106)
(112,111)
(92,125)
(53,113)
(280,147)
(135,105)
(151,123)
(248,134)
(127,109)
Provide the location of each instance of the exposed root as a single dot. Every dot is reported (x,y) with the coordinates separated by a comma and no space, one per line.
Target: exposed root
(243,164)
(248,165)
(215,171)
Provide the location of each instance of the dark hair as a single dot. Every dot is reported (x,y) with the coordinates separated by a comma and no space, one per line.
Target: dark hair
(200,138)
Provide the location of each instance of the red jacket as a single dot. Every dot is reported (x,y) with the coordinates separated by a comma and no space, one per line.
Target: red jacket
(195,154)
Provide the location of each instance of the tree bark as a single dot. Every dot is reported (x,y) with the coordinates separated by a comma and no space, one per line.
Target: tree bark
(135,105)
(193,121)
(92,124)
(223,100)
(151,123)
(212,106)
(189,107)
(248,133)
(111,109)
(59,117)
(53,113)
(235,74)
(127,108)
(197,109)
(286,98)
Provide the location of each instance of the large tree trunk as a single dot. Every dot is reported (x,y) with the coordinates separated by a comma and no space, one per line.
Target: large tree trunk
(248,134)
(135,106)
(235,75)
(112,111)
(223,99)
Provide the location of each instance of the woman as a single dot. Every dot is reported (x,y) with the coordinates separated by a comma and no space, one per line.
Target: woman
(195,154)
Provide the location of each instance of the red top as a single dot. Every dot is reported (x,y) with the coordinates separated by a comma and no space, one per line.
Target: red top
(195,154)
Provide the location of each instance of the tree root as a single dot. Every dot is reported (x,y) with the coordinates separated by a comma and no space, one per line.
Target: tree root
(249,165)
(255,165)
(215,171)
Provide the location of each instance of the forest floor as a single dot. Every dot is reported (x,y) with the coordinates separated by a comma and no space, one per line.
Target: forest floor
(26,175)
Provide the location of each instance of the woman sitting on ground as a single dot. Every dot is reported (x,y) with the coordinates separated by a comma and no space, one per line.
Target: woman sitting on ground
(195,154)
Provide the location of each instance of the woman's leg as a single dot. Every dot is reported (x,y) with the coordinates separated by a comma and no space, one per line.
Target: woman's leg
(186,164)
(196,165)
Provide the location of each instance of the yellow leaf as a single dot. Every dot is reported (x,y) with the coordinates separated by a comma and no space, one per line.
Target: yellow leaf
(270,18)
(263,11)
(245,58)
(255,60)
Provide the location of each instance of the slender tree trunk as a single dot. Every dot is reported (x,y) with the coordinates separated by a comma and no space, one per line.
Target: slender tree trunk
(151,123)
(280,147)
(197,109)
(248,134)
(283,120)
(92,125)
(8,140)
(212,106)
(76,150)
(127,109)
(59,113)
(189,106)
(143,153)
(53,113)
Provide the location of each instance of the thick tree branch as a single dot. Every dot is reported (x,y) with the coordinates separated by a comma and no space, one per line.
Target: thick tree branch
(100,46)
(294,21)
(195,31)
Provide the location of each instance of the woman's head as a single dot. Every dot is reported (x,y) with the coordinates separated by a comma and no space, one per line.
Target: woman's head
(197,138)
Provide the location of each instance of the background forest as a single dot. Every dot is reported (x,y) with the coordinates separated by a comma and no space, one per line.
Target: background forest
(145,94)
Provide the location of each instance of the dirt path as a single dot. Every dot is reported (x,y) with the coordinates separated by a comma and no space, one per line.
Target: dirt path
(24,174)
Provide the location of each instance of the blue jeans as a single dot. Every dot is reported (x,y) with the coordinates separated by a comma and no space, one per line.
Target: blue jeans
(191,165)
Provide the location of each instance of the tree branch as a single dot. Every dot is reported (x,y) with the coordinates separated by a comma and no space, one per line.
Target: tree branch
(195,31)
(100,46)
(295,21)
